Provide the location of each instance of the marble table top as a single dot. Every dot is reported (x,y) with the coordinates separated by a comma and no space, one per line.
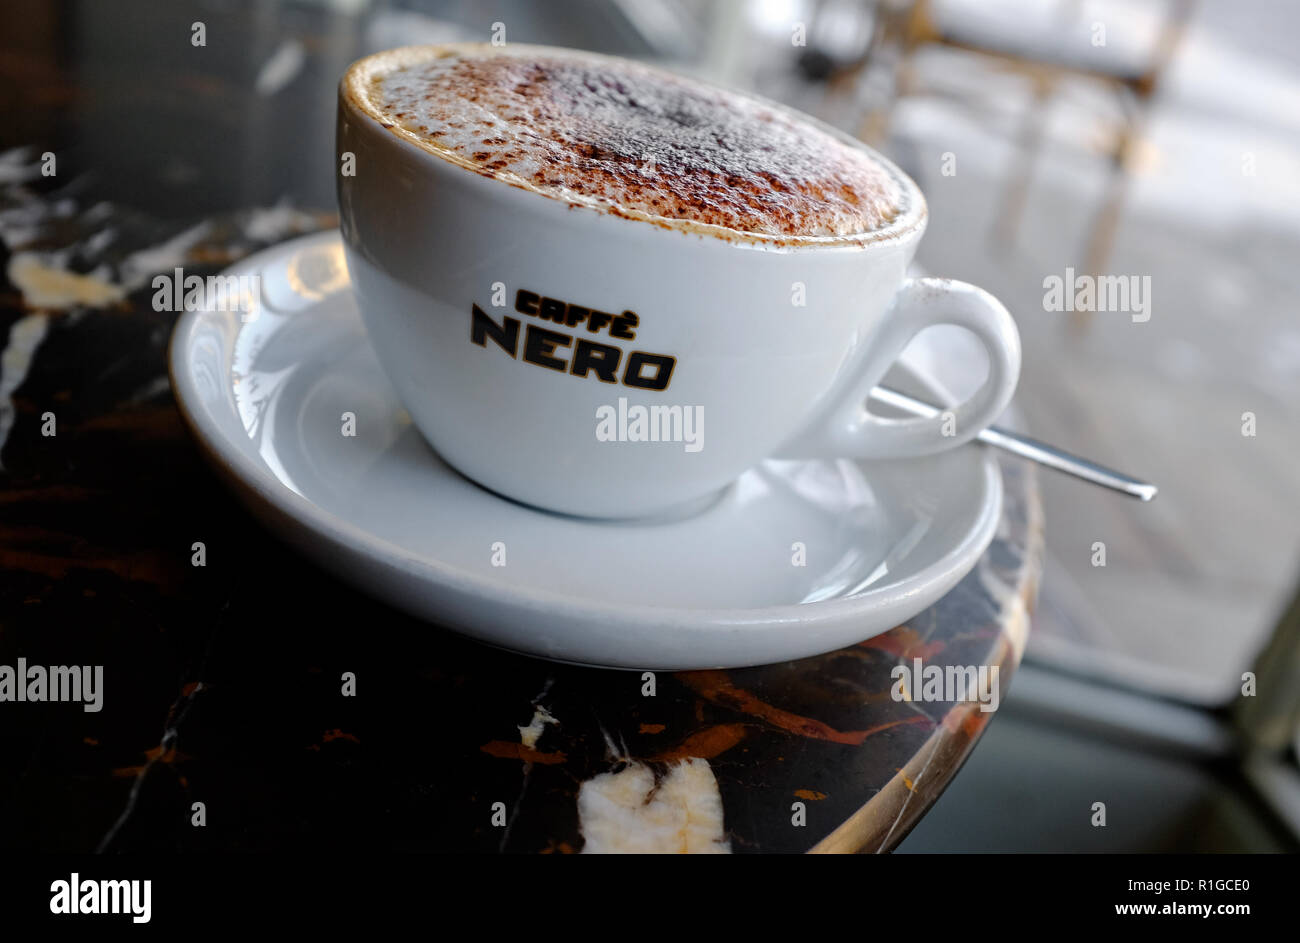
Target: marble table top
(228,681)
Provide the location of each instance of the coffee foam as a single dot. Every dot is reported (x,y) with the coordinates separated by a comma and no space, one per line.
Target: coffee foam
(633,139)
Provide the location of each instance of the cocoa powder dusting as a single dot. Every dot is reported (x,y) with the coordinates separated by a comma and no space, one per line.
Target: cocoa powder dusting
(637,139)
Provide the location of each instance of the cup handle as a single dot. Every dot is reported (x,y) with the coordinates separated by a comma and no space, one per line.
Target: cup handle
(848,429)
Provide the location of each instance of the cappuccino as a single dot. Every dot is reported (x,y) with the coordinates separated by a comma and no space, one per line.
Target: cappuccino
(536,234)
(631,139)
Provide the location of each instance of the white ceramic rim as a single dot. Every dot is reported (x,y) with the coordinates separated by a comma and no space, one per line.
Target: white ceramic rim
(353,91)
(258,485)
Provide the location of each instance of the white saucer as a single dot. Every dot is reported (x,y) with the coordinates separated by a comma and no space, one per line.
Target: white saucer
(265,393)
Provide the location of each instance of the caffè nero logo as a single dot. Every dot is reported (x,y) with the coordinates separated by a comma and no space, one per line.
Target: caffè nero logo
(570,350)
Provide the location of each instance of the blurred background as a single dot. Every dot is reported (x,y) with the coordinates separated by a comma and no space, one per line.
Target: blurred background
(1149,138)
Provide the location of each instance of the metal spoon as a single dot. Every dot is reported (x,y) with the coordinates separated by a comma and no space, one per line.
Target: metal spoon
(1032,449)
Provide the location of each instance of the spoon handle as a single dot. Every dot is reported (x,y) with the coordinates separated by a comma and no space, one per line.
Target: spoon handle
(1032,449)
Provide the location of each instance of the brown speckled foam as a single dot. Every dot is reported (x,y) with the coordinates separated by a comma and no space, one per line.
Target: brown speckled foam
(638,139)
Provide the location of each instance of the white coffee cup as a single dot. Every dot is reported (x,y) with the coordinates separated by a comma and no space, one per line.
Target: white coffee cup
(774,343)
